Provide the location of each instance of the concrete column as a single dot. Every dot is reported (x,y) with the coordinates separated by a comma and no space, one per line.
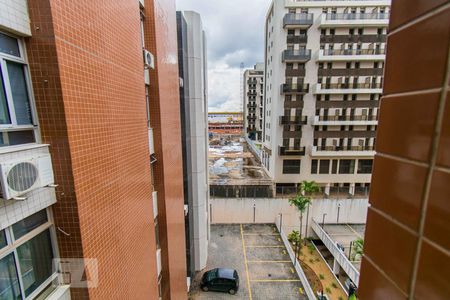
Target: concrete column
(327,189)
(336,267)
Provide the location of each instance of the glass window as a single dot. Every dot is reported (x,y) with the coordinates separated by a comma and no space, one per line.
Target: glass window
(9,45)
(334,166)
(3,241)
(4,112)
(28,224)
(35,259)
(291,166)
(19,90)
(314,166)
(365,166)
(9,280)
(324,167)
(347,166)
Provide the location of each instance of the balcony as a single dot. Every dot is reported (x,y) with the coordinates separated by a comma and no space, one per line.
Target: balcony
(297,39)
(355,20)
(351,55)
(353,38)
(351,72)
(300,72)
(291,151)
(362,151)
(293,88)
(252,93)
(345,120)
(348,104)
(151,144)
(348,88)
(345,134)
(292,134)
(302,55)
(251,106)
(293,104)
(293,120)
(292,20)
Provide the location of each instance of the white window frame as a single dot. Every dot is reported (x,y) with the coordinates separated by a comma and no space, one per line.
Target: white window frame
(4,58)
(12,246)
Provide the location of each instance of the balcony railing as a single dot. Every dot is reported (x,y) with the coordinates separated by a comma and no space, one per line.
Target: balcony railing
(302,20)
(294,88)
(358,16)
(297,39)
(351,72)
(292,134)
(343,38)
(348,118)
(293,104)
(345,148)
(251,105)
(291,151)
(348,104)
(333,86)
(302,55)
(300,72)
(331,52)
(252,93)
(345,134)
(293,120)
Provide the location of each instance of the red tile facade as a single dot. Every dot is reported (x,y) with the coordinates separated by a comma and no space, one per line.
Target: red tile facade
(87,72)
(161,39)
(407,246)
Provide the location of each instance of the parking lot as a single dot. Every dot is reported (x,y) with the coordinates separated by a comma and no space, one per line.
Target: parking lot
(257,252)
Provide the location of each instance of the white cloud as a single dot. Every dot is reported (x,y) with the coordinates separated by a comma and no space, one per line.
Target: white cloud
(235,34)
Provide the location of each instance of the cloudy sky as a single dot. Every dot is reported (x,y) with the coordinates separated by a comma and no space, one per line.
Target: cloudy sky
(235,33)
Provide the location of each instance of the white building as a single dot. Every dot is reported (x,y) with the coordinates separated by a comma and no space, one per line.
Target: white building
(194,124)
(253,102)
(323,80)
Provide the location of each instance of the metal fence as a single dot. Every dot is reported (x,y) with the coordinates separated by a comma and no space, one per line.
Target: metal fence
(240,191)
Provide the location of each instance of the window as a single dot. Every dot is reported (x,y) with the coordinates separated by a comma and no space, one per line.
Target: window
(324,167)
(15,103)
(334,166)
(291,166)
(28,224)
(365,166)
(346,166)
(26,269)
(314,166)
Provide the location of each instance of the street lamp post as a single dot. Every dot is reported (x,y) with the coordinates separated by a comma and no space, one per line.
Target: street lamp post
(339,208)
(323,219)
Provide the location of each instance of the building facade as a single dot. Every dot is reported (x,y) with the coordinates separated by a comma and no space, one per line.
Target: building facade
(85,190)
(253,102)
(192,60)
(323,80)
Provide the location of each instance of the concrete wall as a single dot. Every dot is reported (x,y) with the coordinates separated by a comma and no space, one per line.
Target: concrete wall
(14,17)
(266,210)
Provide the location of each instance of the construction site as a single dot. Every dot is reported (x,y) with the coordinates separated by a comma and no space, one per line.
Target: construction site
(234,170)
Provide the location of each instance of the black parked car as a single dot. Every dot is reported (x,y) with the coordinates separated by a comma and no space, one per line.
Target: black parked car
(220,280)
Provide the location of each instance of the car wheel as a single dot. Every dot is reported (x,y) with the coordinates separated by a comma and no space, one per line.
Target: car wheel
(205,289)
(232,291)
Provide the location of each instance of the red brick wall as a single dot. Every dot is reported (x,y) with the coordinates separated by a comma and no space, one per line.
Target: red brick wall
(161,40)
(87,72)
(407,244)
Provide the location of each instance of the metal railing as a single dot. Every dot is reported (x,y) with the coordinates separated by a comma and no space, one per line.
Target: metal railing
(350,85)
(358,16)
(345,148)
(348,118)
(296,55)
(293,120)
(295,19)
(294,88)
(354,51)
(292,151)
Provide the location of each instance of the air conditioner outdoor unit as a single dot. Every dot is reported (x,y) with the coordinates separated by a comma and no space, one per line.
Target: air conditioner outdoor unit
(19,177)
(149,59)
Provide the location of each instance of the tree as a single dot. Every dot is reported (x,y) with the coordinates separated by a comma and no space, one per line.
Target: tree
(301,203)
(308,188)
(358,248)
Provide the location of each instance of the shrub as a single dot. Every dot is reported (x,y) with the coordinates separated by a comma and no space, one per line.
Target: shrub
(321,277)
(311,260)
(328,290)
(334,285)
(317,259)
(294,237)
(340,298)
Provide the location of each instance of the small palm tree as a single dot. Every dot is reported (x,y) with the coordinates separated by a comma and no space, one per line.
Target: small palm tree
(358,248)
(301,203)
(308,188)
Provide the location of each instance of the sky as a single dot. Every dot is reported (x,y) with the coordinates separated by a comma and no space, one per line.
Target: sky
(235,34)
